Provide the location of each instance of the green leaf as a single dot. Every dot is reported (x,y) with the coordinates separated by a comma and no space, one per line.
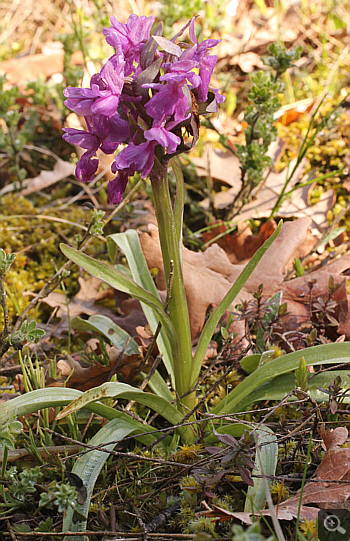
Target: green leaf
(129,243)
(241,396)
(280,386)
(159,386)
(147,76)
(118,338)
(256,495)
(122,390)
(179,201)
(121,282)
(269,454)
(109,329)
(250,363)
(225,304)
(88,468)
(52,397)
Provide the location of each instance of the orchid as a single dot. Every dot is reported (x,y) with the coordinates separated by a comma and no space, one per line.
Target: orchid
(147,96)
(144,108)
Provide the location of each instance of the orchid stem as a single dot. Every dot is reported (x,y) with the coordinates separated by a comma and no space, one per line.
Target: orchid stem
(171,246)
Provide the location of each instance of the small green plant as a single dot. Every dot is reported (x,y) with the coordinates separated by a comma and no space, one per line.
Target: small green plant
(28,331)
(262,317)
(9,432)
(252,533)
(301,376)
(24,484)
(259,116)
(20,126)
(15,135)
(280,59)
(19,489)
(61,495)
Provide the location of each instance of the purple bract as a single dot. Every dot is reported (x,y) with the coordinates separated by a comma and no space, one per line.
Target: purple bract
(146,96)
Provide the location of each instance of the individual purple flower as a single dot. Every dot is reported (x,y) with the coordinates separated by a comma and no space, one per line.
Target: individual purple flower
(87,166)
(131,37)
(201,48)
(205,61)
(116,187)
(170,100)
(181,71)
(165,138)
(104,133)
(206,68)
(140,157)
(82,138)
(80,100)
(117,131)
(103,95)
(88,163)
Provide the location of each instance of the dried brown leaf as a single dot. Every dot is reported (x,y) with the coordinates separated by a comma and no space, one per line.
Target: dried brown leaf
(85,377)
(209,275)
(335,466)
(84,301)
(29,68)
(61,170)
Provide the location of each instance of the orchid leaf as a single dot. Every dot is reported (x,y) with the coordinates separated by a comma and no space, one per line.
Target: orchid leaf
(225,304)
(121,282)
(281,386)
(109,329)
(54,397)
(88,468)
(147,53)
(256,495)
(147,76)
(168,46)
(241,396)
(129,243)
(122,390)
(179,201)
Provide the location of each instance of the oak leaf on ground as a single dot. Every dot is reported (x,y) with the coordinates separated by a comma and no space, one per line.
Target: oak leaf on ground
(321,489)
(84,377)
(84,301)
(209,275)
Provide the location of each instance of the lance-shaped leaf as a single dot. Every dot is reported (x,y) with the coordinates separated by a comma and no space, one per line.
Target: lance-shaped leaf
(109,329)
(281,386)
(241,396)
(121,282)
(122,390)
(129,243)
(179,201)
(147,76)
(54,397)
(256,495)
(119,337)
(168,46)
(225,304)
(88,468)
(147,53)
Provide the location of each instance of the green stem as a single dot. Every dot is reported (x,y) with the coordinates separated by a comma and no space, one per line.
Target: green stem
(171,245)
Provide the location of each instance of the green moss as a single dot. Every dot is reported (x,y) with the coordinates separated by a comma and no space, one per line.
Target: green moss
(36,243)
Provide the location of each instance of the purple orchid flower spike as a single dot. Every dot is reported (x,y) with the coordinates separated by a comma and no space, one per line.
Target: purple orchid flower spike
(148,96)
